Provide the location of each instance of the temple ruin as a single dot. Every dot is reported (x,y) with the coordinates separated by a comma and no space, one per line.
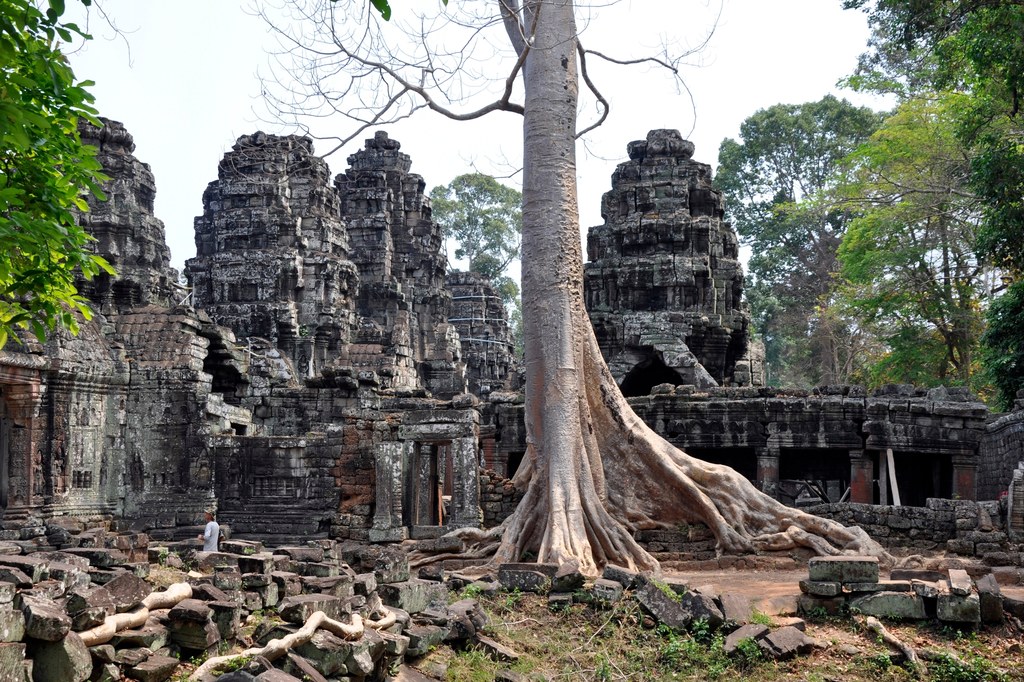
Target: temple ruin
(322,375)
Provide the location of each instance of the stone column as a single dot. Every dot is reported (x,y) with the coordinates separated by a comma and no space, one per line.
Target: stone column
(465,506)
(387,519)
(862,477)
(768,471)
(965,477)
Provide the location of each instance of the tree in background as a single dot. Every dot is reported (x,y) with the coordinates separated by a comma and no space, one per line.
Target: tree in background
(908,264)
(44,172)
(787,157)
(974,47)
(485,219)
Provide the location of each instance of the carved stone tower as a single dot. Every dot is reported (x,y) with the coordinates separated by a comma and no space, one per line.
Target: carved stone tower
(272,252)
(403,304)
(664,282)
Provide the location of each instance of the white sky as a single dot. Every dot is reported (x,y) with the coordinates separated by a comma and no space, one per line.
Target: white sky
(185,87)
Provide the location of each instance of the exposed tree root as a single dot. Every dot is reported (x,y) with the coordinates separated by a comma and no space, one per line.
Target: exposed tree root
(276,648)
(873,625)
(624,478)
(137,617)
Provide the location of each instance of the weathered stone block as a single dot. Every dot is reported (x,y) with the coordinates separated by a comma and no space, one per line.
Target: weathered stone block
(751,631)
(606,591)
(413,595)
(843,569)
(44,619)
(154,669)
(894,605)
(298,608)
(991,599)
(422,638)
(127,591)
(12,624)
(786,642)
(63,660)
(818,588)
(955,608)
(526,577)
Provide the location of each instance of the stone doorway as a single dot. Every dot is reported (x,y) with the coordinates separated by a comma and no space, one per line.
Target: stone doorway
(647,374)
(428,485)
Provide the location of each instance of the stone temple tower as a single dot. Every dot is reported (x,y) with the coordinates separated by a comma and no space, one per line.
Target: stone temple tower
(664,283)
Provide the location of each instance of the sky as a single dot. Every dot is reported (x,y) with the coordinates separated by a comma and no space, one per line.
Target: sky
(182,77)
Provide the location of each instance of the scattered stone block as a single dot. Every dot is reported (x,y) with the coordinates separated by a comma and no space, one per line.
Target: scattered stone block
(289,584)
(955,608)
(752,631)
(12,624)
(495,650)
(990,598)
(63,660)
(787,642)
(960,583)
(154,669)
(818,588)
(621,575)
(44,619)
(422,638)
(606,591)
(527,577)
(815,606)
(12,663)
(567,578)
(127,591)
(843,569)
(880,586)
(412,595)
(891,605)
(298,608)
(924,588)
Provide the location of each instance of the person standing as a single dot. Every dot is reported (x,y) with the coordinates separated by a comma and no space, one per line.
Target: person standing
(210,536)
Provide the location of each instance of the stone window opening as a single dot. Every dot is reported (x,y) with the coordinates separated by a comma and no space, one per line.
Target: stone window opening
(919,475)
(809,473)
(647,374)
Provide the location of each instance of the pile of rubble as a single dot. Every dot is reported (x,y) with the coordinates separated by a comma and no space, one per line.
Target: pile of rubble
(837,585)
(319,611)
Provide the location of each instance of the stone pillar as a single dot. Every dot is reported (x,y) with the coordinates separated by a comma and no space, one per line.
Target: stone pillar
(465,506)
(387,520)
(768,471)
(965,477)
(862,477)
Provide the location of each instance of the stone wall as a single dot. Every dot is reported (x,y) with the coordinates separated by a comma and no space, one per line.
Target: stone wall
(1003,451)
(498,497)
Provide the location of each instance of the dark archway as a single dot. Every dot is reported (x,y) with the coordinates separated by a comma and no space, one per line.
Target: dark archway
(646,375)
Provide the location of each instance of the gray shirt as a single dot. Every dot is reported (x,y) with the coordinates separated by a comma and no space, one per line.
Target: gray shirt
(210,536)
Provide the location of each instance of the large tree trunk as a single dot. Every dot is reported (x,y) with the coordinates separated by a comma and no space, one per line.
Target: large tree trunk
(594,472)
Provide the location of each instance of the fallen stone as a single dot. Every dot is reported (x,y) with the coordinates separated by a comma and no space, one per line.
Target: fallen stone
(12,624)
(735,608)
(818,588)
(495,650)
(815,607)
(15,576)
(568,577)
(619,574)
(12,663)
(127,591)
(785,643)
(327,653)
(892,605)
(991,599)
(880,586)
(412,595)
(606,591)
(926,589)
(297,609)
(843,569)
(65,660)
(527,577)
(955,608)
(154,669)
(960,583)
(268,676)
(190,611)
(33,567)
(44,619)
(422,638)
(752,631)
(152,636)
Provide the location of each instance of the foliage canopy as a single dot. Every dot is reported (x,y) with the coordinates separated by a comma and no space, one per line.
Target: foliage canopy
(44,170)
